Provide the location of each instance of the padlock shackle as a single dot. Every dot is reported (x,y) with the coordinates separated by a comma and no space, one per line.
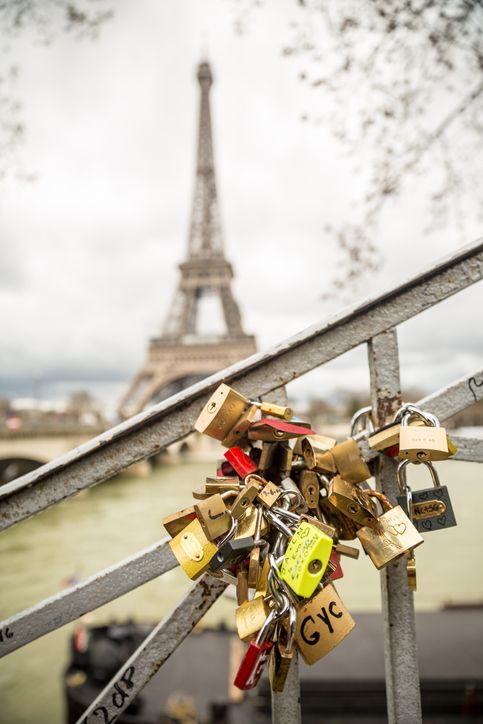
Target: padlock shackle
(231,532)
(280,525)
(402,477)
(358,419)
(383,499)
(286,494)
(408,410)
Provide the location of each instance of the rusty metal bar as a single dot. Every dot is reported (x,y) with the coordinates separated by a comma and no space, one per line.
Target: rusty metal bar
(153,652)
(400,649)
(150,431)
(68,605)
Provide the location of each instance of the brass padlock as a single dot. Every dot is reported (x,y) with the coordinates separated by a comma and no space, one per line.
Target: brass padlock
(281,655)
(349,462)
(213,516)
(245,497)
(178,521)
(393,535)
(247,525)
(239,430)
(422,443)
(269,494)
(322,623)
(269,408)
(310,487)
(268,455)
(283,459)
(345,528)
(431,508)
(221,485)
(221,412)
(411,571)
(315,451)
(193,550)
(351,501)
(250,617)
(279,665)
(262,583)
(241,585)
(324,527)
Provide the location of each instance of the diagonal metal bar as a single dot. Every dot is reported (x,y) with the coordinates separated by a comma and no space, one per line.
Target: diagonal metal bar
(153,652)
(469,448)
(150,431)
(456,397)
(105,586)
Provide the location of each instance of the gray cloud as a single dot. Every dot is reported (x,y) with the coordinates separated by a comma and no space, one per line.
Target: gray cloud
(91,249)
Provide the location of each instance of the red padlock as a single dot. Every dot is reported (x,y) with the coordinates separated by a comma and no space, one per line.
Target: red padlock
(257,655)
(335,560)
(276,430)
(240,461)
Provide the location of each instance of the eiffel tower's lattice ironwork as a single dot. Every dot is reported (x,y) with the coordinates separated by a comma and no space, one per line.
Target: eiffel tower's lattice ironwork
(182,354)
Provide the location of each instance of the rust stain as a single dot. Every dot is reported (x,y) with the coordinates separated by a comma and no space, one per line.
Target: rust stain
(387,406)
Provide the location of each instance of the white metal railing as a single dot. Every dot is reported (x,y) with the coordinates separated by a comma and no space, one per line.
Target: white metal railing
(373,322)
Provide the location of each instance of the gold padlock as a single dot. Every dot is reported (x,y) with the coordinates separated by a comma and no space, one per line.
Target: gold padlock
(221,485)
(178,521)
(279,663)
(267,457)
(245,497)
(411,571)
(393,535)
(213,516)
(310,487)
(247,524)
(239,430)
(269,494)
(422,443)
(221,412)
(322,623)
(349,462)
(192,549)
(351,501)
(241,585)
(345,528)
(269,408)
(315,451)
(324,527)
(250,617)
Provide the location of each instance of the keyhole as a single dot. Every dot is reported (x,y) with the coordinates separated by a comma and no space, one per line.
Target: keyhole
(315,566)
(212,407)
(353,509)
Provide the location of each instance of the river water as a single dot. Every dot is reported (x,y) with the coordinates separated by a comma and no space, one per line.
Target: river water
(117,518)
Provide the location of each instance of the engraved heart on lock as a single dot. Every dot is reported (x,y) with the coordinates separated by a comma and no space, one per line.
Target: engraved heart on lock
(398,528)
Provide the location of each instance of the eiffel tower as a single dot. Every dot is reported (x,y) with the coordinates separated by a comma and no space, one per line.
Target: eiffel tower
(183,355)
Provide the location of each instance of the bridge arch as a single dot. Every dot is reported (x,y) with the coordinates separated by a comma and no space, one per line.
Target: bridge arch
(13,467)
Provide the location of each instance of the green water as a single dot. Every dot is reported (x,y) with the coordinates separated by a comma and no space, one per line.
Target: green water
(118,518)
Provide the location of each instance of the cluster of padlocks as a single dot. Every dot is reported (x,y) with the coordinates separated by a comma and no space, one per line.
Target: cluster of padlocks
(272,520)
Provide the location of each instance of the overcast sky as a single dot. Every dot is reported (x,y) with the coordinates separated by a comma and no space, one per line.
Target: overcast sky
(89,250)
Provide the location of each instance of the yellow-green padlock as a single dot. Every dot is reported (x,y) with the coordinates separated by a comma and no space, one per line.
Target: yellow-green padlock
(306,559)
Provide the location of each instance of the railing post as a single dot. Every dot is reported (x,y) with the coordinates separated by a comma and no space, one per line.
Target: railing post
(286,705)
(400,649)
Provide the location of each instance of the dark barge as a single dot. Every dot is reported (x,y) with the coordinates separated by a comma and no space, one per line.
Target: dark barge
(194,686)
